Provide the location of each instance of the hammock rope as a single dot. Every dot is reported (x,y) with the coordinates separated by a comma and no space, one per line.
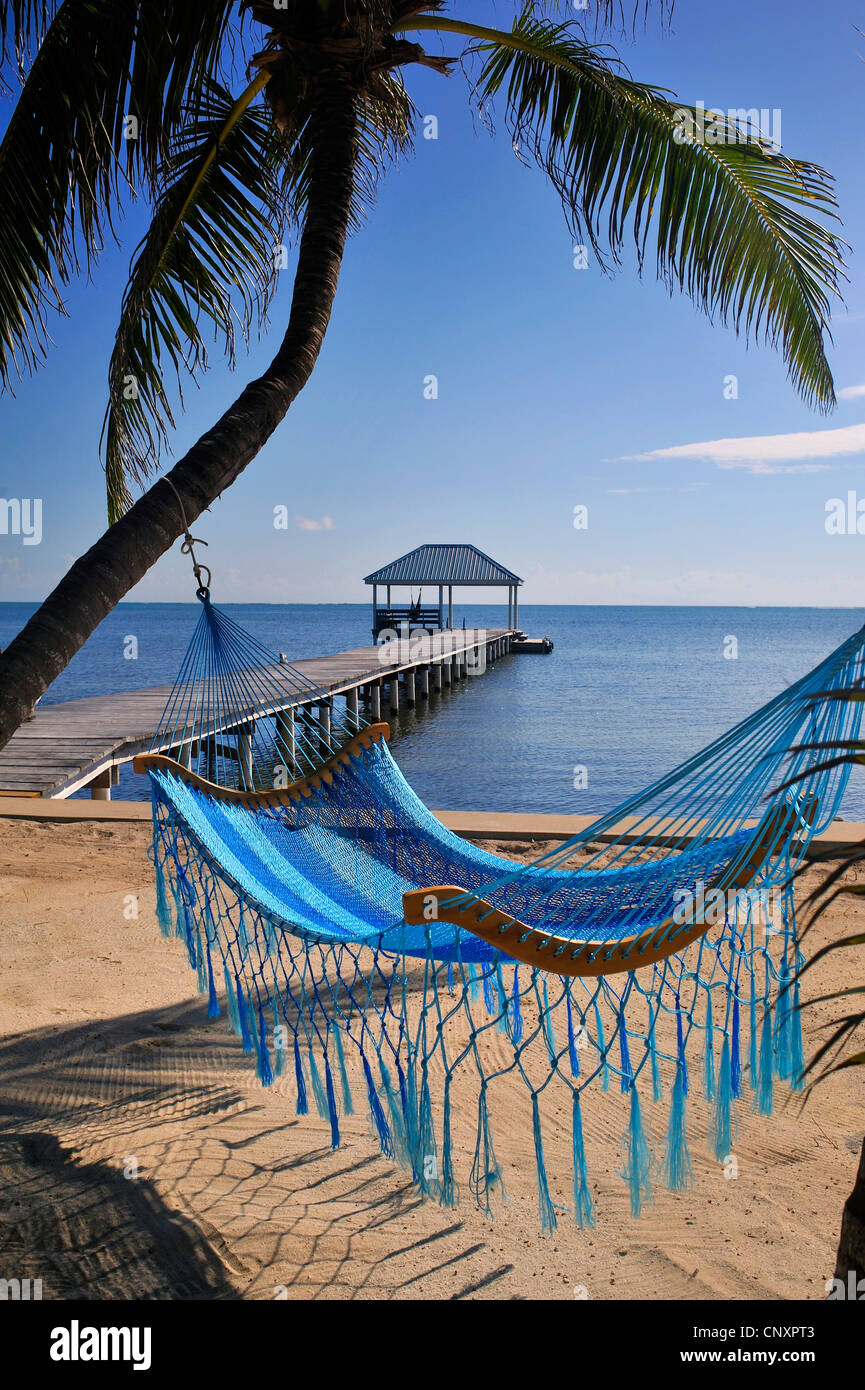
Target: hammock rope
(369,957)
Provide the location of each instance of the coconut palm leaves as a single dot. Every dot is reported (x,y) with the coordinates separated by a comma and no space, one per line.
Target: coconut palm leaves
(83,133)
(730,220)
(22,25)
(146,107)
(210,257)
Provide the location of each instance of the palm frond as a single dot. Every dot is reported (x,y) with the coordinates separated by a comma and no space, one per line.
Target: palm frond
(619,16)
(71,151)
(731,229)
(179,49)
(22,26)
(208,259)
(209,254)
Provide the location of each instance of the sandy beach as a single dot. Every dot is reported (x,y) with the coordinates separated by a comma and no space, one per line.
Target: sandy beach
(141,1158)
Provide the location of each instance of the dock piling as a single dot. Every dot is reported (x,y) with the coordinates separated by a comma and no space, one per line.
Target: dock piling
(103,732)
(285,737)
(244,756)
(324,727)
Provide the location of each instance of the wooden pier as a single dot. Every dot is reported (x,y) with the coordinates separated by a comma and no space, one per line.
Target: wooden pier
(82,743)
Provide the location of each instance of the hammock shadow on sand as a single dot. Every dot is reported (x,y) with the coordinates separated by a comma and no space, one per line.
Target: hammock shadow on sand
(123,1083)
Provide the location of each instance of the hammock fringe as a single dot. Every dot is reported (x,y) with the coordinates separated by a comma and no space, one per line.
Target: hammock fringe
(292,910)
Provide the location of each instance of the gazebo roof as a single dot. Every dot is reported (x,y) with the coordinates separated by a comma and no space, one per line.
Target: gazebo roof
(444,564)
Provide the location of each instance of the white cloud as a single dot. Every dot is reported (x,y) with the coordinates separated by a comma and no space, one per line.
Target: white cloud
(766,453)
(305,523)
(849,393)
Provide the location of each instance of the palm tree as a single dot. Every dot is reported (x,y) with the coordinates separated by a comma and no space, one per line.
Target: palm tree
(122,97)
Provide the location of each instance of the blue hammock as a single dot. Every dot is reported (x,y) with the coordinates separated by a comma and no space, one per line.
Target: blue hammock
(358,942)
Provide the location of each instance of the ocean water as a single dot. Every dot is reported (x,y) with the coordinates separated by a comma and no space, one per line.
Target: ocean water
(627,693)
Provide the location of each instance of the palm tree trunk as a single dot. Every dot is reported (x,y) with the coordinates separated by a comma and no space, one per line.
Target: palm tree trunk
(851,1248)
(124,554)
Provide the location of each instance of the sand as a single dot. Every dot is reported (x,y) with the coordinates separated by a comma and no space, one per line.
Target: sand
(141,1159)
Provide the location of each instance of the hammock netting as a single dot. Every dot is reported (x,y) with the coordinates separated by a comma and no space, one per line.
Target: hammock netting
(284,843)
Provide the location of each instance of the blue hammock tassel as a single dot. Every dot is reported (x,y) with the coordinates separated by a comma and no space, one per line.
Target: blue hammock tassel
(573,1055)
(752,1050)
(584,1204)
(279,1031)
(397,1115)
(243,1015)
(503,1020)
(545,1202)
(347,1101)
(302,1104)
(678,1170)
(319,1094)
(723,1118)
(201,964)
(449,1195)
(163,910)
(271,939)
(516,1015)
(638,1160)
(709,1051)
(735,1059)
(472,977)
(403,1093)
(764,1097)
(486,1173)
(242,933)
(233,1015)
(263,1067)
(782,1027)
(184,918)
(489,993)
(377,1115)
(331,1102)
(213,997)
(627,1076)
(547,1017)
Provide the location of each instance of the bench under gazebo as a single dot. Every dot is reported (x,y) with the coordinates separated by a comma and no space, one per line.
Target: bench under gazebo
(442,568)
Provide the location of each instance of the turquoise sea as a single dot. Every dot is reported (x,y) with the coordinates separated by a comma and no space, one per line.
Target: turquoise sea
(627,693)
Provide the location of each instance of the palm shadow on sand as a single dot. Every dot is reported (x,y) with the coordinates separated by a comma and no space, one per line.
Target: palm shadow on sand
(75,1100)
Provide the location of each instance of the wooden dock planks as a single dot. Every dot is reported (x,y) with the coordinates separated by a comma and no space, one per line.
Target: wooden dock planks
(68,746)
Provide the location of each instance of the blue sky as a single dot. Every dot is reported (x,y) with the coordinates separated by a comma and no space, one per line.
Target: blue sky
(557,387)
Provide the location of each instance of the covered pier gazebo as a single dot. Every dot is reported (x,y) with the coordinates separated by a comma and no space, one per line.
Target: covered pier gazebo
(441,567)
